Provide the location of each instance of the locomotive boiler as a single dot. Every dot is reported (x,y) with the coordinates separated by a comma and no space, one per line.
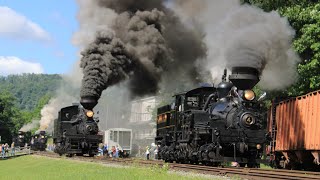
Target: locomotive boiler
(76,129)
(211,125)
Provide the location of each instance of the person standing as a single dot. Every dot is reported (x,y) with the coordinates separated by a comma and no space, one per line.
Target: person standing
(148,152)
(100,149)
(105,149)
(156,153)
(25,147)
(3,151)
(117,151)
(12,149)
(113,149)
(6,148)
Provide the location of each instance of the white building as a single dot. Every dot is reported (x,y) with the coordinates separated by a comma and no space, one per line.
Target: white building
(141,120)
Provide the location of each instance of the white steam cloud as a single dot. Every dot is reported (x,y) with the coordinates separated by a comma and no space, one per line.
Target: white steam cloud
(67,93)
(243,35)
(50,111)
(30,126)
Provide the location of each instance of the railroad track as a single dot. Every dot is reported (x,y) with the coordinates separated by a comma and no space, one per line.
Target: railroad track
(247,173)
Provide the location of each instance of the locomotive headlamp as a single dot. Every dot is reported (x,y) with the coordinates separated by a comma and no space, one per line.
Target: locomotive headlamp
(42,136)
(89,114)
(249,95)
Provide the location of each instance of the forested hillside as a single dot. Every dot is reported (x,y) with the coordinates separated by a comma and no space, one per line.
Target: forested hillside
(29,88)
(21,99)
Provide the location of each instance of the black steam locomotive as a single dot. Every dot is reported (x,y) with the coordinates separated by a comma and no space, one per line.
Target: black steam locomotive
(211,125)
(76,130)
(22,138)
(39,141)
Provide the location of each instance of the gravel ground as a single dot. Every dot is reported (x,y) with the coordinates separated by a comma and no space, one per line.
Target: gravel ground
(206,176)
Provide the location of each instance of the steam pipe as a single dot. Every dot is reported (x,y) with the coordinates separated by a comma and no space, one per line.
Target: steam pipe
(234,152)
(207,102)
(224,77)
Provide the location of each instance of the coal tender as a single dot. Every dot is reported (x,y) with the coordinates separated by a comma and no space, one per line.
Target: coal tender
(212,125)
(76,129)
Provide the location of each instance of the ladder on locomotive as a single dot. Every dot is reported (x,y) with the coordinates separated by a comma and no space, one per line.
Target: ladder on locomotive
(273,126)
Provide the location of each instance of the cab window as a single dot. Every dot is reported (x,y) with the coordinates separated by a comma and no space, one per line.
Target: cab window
(193,101)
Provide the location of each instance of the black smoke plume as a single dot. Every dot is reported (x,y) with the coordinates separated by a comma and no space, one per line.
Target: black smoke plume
(162,45)
(145,44)
(105,62)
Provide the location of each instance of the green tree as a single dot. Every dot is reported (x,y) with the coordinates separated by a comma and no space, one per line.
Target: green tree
(306,20)
(9,117)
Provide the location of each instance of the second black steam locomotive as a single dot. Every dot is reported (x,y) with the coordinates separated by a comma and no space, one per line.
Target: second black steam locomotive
(76,130)
(39,141)
(22,138)
(211,125)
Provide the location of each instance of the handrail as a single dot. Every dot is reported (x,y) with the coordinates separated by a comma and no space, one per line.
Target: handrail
(18,151)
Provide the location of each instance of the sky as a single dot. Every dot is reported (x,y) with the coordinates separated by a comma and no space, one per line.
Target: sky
(35,36)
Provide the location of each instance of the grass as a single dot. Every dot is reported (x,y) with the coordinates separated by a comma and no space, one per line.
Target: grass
(265,166)
(36,167)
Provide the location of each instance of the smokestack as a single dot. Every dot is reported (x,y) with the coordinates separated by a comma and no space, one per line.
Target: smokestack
(244,77)
(88,102)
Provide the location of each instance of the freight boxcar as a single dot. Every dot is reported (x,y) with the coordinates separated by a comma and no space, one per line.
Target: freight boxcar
(294,126)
